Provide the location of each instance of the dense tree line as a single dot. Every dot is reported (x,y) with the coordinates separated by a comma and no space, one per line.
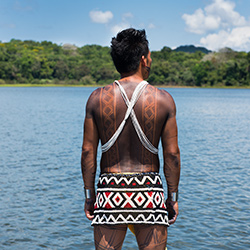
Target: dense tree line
(46,62)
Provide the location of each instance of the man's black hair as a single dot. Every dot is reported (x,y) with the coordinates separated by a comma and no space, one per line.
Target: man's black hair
(127,48)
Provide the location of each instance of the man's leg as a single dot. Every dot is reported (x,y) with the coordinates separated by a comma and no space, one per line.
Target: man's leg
(109,236)
(151,236)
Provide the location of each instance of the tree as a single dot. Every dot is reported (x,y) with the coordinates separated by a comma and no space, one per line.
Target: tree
(61,70)
(200,73)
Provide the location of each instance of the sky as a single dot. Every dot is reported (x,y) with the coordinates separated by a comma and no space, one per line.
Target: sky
(213,24)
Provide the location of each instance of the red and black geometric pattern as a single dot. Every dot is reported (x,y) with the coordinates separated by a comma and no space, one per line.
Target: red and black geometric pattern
(130,199)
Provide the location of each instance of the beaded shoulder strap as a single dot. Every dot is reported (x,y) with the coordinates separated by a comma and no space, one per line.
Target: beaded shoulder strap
(130,112)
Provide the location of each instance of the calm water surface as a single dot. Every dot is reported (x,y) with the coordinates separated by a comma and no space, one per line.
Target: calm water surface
(41,196)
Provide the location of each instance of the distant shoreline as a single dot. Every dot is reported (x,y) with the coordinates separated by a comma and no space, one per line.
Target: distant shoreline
(27,85)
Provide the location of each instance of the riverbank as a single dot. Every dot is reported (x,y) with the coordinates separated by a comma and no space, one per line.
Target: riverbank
(96,86)
(47,85)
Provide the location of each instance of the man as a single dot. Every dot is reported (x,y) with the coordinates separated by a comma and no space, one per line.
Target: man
(130,117)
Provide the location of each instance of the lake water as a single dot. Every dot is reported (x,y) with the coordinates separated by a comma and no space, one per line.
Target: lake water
(41,196)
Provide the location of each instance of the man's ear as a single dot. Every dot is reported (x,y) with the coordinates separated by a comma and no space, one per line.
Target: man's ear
(144,61)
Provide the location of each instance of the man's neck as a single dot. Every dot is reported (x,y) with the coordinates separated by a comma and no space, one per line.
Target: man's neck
(132,77)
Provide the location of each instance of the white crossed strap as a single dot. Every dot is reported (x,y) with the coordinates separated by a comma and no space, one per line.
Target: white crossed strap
(130,112)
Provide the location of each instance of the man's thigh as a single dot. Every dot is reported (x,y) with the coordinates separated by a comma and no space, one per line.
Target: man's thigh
(109,236)
(151,236)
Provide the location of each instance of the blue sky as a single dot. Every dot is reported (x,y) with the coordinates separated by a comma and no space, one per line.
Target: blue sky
(210,23)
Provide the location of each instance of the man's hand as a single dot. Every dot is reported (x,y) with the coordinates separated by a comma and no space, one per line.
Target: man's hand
(89,208)
(173,211)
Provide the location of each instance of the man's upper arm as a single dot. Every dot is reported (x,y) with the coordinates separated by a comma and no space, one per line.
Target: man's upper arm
(89,146)
(170,133)
(91,136)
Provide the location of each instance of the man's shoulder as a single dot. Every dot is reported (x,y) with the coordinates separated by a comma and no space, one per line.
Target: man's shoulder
(97,92)
(162,94)
(93,103)
(165,100)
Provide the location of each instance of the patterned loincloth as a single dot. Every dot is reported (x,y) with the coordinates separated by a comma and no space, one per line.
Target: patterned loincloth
(130,199)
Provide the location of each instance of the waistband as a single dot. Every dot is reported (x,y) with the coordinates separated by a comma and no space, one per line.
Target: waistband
(125,174)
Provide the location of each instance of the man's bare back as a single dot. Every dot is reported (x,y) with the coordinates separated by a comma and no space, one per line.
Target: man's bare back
(107,108)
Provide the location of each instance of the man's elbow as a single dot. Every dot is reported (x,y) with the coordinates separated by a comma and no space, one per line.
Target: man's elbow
(86,151)
(173,156)
(173,152)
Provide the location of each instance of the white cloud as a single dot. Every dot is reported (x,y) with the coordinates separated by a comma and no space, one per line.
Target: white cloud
(237,38)
(100,17)
(119,27)
(223,26)
(151,26)
(225,10)
(199,23)
(219,14)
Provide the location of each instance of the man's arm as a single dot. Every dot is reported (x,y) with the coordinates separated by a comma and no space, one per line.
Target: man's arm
(88,161)
(171,156)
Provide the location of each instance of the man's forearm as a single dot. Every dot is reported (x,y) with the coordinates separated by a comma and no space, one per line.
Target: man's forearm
(172,172)
(88,166)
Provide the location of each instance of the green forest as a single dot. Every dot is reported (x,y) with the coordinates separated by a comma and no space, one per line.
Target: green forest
(31,62)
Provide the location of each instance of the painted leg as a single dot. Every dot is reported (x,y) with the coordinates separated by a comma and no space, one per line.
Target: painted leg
(151,237)
(109,236)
